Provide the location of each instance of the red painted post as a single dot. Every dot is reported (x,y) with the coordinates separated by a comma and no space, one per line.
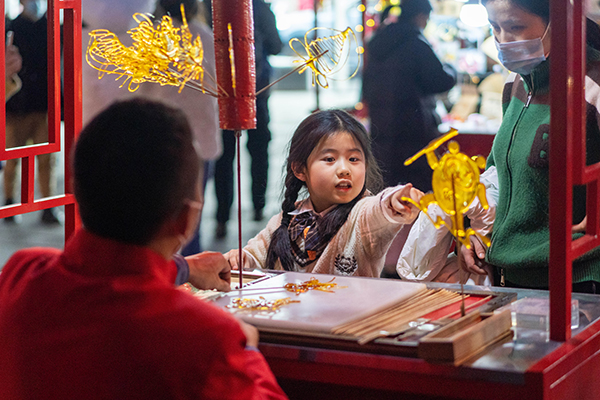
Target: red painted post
(72,56)
(565,107)
(2,83)
(567,154)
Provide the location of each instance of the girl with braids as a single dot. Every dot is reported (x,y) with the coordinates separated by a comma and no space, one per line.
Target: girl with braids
(330,223)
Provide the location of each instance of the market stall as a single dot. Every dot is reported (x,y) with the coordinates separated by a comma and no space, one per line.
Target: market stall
(556,356)
(309,362)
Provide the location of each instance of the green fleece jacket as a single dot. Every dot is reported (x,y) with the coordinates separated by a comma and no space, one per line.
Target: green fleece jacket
(520,237)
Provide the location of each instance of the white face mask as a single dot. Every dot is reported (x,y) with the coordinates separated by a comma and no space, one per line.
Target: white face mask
(522,56)
(192,223)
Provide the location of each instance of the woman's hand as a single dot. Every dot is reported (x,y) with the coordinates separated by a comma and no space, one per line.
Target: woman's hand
(406,209)
(474,258)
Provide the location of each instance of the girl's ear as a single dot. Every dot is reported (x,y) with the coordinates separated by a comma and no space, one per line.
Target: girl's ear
(299,171)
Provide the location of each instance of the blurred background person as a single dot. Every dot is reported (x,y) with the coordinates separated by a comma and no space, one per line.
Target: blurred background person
(402,74)
(201,109)
(115,16)
(267,42)
(12,65)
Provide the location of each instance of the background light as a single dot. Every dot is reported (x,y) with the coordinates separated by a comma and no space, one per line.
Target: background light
(474,15)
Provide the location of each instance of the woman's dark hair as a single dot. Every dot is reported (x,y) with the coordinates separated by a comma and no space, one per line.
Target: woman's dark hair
(134,165)
(315,128)
(541,8)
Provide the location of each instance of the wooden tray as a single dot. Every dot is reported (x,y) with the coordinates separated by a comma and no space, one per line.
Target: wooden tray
(465,337)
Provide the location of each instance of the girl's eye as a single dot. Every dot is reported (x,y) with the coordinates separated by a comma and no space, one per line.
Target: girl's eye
(354,159)
(329,159)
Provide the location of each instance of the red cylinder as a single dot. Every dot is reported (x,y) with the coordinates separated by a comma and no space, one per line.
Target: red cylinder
(237,106)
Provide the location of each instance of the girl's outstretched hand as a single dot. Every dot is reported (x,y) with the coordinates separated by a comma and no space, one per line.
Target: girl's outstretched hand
(233,256)
(405,209)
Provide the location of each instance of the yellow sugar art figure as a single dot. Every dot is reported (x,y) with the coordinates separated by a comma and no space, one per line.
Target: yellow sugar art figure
(455,183)
(164,54)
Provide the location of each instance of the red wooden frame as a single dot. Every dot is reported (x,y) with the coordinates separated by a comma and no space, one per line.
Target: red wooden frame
(72,113)
(567,154)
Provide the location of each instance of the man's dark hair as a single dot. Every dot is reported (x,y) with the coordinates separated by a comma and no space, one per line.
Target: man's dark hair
(134,165)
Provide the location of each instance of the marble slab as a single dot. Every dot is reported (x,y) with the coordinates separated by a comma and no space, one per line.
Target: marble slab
(321,311)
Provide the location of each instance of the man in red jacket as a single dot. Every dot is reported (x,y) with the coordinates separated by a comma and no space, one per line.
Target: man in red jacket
(103,319)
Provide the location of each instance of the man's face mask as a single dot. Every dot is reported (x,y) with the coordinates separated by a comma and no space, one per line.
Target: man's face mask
(522,56)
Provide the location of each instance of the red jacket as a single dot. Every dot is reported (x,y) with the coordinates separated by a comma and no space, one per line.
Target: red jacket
(103,320)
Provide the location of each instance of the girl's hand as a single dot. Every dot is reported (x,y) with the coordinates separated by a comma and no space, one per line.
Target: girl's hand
(405,209)
(233,256)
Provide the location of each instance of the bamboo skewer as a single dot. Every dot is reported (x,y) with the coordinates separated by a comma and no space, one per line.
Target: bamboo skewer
(373,318)
(401,307)
(458,247)
(394,322)
(376,317)
(484,300)
(385,318)
(291,72)
(400,323)
(398,315)
(259,288)
(396,318)
(238,135)
(389,321)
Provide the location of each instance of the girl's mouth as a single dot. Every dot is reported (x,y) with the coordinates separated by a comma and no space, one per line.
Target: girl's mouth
(344,186)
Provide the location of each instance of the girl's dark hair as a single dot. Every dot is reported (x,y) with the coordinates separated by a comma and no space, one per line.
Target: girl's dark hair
(541,8)
(315,128)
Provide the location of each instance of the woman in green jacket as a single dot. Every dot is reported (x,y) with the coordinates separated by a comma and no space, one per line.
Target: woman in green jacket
(520,237)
